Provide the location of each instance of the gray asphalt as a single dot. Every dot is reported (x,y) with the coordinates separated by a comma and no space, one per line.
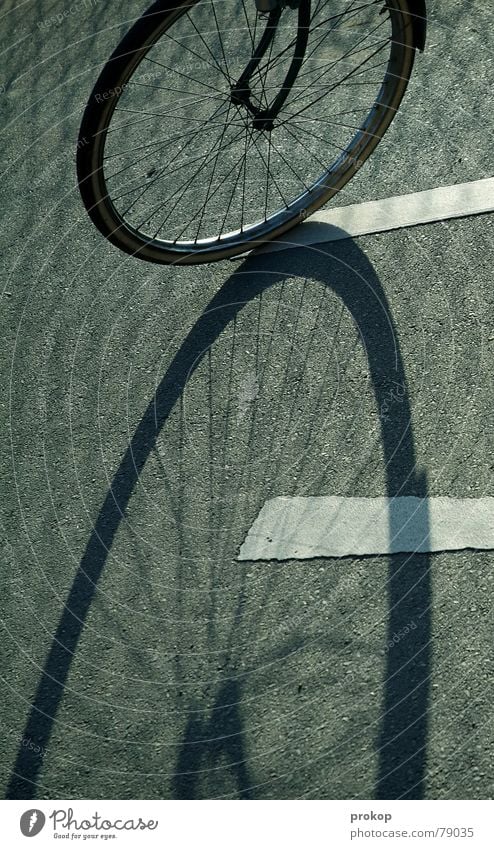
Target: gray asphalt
(187,674)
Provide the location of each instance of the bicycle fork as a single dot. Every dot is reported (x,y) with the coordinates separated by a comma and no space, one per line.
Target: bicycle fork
(240,94)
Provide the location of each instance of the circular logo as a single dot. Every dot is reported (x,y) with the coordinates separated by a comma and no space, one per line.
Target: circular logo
(32,822)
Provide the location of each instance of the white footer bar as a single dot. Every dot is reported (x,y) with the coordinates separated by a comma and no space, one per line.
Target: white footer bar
(371,824)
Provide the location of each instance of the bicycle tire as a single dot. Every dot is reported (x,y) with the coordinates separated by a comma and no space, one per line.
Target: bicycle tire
(114,83)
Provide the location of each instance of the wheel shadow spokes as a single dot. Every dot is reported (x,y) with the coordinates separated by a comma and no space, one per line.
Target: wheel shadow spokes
(403,733)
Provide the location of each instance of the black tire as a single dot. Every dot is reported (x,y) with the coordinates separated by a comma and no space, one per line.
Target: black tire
(121,75)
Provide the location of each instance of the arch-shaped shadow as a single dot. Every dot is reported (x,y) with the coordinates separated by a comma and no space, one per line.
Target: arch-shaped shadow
(403,735)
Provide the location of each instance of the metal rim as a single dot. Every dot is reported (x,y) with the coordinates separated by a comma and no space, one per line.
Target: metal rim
(361,145)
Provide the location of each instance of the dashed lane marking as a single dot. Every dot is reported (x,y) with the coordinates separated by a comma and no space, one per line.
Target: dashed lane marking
(300,528)
(378,216)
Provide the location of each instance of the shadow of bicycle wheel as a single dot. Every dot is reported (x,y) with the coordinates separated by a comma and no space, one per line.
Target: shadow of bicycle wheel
(345,271)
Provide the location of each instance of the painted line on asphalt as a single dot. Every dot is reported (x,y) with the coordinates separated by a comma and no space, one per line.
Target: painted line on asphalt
(379,216)
(300,528)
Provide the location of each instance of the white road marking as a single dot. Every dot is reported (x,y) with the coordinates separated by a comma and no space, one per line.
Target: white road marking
(297,528)
(378,216)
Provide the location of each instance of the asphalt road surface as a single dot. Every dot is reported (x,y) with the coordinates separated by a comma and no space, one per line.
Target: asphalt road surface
(147,413)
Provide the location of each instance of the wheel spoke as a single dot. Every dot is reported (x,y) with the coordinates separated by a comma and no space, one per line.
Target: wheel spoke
(184,189)
(182,74)
(173,168)
(232,169)
(187,157)
(213,9)
(211,179)
(216,65)
(331,88)
(151,183)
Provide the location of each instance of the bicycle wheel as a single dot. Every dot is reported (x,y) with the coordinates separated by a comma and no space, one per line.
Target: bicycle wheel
(214,128)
